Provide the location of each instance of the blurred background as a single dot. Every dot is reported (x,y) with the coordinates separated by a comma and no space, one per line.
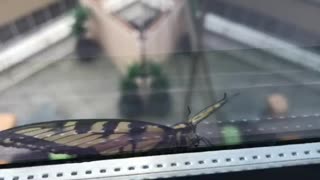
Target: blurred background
(151,59)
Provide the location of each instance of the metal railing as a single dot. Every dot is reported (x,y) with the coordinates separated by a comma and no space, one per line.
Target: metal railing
(264,23)
(28,23)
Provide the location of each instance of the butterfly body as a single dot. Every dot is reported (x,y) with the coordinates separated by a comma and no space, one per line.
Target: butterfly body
(105,137)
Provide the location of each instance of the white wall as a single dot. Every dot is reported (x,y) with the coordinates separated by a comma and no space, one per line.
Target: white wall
(122,43)
(114,5)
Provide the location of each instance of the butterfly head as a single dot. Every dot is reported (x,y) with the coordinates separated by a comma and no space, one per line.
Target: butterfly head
(186,134)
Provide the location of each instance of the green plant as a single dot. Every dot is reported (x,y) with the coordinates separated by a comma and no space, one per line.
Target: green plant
(153,70)
(135,71)
(128,84)
(55,157)
(81,15)
(195,6)
(160,83)
(231,135)
(148,69)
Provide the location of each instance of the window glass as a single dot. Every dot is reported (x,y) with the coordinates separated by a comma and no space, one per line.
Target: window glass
(117,78)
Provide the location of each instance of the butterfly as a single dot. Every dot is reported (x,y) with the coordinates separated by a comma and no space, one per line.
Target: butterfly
(106,137)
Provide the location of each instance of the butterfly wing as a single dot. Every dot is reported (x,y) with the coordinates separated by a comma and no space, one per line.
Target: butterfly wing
(87,137)
(44,137)
(205,113)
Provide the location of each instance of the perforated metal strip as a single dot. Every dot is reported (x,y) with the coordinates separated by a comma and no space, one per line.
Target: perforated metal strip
(174,165)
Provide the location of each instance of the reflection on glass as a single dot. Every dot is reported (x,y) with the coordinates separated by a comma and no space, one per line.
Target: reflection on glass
(110,77)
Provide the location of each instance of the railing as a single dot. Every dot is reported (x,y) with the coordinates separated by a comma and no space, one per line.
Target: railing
(26,24)
(264,23)
(257,39)
(174,165)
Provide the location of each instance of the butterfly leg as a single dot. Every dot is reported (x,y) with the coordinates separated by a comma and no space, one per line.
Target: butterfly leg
(205,141)
(208,142)
(134,147)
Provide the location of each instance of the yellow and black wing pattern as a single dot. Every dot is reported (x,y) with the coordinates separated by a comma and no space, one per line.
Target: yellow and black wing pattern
(90,137)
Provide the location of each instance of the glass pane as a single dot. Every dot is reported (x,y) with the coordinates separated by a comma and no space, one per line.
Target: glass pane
(119,78)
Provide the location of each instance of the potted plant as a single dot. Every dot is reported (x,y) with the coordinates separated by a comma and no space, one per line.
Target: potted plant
(130,104)
(159,100)
(86,48)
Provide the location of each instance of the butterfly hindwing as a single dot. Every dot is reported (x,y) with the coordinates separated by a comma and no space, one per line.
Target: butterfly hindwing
(85,137)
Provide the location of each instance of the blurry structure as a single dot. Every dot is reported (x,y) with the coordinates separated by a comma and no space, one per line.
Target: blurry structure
(290,20)
(15,9)
(137,28)
(277,105)
(231,135)
(19,17)
(7,121)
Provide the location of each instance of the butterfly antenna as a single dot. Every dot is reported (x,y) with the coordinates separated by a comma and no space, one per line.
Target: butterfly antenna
(189,112)
(230,97)
(226,98)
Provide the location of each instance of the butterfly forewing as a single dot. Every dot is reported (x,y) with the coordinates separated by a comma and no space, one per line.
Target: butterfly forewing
(86,137)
